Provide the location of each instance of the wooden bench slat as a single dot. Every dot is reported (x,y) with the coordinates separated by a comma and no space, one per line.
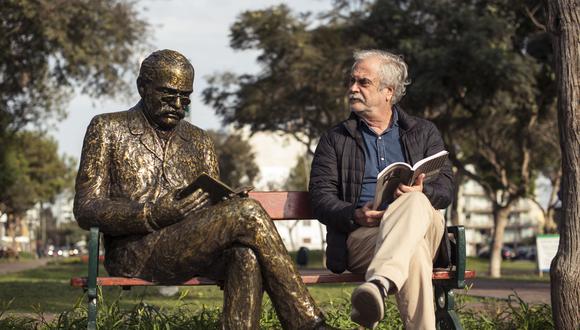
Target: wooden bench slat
(284,205)
(81,282)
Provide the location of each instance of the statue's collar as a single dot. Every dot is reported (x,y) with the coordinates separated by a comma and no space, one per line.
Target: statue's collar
(138,124)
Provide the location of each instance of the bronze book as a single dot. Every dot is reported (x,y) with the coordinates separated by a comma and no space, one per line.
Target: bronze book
(217,190)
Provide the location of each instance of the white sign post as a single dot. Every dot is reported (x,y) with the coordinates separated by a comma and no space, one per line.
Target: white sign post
(547,247)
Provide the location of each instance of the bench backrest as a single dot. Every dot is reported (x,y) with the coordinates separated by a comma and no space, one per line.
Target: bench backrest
(284,205)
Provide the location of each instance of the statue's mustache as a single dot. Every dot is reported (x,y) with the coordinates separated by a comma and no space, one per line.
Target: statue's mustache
(168,110)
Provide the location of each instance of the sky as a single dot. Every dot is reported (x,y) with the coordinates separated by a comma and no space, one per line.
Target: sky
(199,29)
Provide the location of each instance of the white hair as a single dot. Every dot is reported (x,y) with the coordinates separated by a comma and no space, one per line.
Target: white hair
(392,71)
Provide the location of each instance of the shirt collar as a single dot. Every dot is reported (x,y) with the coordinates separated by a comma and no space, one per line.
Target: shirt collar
(394,123)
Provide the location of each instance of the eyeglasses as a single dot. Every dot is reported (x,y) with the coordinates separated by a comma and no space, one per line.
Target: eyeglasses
(170,96)
(171,99)
(362,82)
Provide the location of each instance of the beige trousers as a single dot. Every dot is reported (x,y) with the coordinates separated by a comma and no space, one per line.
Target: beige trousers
(402,249)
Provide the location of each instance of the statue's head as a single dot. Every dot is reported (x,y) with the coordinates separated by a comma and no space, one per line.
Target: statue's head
(165,83)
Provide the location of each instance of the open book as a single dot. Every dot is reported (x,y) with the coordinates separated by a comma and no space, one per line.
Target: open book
(217,190)
(396,173)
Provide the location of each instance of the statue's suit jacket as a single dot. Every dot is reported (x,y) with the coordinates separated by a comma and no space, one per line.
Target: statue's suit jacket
(124,164)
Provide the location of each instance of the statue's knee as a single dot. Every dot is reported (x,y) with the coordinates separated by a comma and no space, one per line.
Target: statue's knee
(250,209)
(248,204)
(244,253)
(244,256)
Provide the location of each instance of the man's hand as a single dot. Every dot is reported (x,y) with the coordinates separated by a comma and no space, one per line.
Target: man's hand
(366,217)
(417,186)
(168,210)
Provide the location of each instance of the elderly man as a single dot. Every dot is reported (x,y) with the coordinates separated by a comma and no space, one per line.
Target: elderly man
(133,163)
(395,248)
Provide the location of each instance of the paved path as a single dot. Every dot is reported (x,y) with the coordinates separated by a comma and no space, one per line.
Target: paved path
(530,292)
(18,266)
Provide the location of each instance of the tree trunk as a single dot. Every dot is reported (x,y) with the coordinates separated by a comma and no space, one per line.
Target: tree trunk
(500,219)
(551,226)
(11,221)
(564,25)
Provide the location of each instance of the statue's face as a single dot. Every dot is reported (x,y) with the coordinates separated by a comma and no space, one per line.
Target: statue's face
(166,99)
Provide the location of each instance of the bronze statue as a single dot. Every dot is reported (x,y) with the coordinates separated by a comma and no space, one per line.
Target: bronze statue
(132,164)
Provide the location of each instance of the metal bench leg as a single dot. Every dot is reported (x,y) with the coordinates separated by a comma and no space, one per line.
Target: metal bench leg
(92,279)
(446,316)
(92,316)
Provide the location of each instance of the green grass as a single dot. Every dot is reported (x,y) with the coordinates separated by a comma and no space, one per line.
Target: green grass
(22,256)
(26,296)
(516,270)
(513,314)
(48,288)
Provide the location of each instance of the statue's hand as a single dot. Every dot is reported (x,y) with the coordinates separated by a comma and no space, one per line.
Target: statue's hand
(168,210)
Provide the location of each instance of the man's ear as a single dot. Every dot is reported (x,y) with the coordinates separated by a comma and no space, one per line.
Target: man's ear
(141,86)
(389,93)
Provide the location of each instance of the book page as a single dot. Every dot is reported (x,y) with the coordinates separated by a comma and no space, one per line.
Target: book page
(430,166)
(426,159)
(396,173)
(388,181)
(216,189)
(388,168)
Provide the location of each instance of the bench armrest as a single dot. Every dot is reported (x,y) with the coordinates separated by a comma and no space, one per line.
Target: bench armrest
(458,255)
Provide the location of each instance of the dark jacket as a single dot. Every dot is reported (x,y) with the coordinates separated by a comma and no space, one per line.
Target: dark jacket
(337,174)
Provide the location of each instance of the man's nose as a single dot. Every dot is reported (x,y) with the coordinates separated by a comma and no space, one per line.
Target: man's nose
(177,102)
(353,87)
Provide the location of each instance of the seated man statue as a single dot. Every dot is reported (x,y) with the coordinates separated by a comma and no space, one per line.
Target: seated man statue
(133,163)
(395,248)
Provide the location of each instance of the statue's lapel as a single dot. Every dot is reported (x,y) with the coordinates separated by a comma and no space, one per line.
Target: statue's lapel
(177,140)
(138,126)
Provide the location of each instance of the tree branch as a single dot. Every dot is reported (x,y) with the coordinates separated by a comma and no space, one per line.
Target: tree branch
(531,15)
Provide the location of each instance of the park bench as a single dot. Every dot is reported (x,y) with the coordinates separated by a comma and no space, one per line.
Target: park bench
(289,206)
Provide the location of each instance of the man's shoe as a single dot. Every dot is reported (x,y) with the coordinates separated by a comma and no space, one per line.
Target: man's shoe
(368,306)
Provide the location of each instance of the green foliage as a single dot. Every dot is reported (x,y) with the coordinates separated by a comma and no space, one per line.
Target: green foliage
(236,159)
(299,174)
(481,70)
(516,315)
(33,172)
(50,47)
(299,90)
(48,289)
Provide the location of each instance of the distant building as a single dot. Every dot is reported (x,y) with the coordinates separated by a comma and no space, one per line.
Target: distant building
(303,233)
(19,236)
(32,227)
(275,156)
(526,219)
(62,208)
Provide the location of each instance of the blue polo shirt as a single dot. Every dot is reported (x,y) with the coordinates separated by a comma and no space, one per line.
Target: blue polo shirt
(380,151)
